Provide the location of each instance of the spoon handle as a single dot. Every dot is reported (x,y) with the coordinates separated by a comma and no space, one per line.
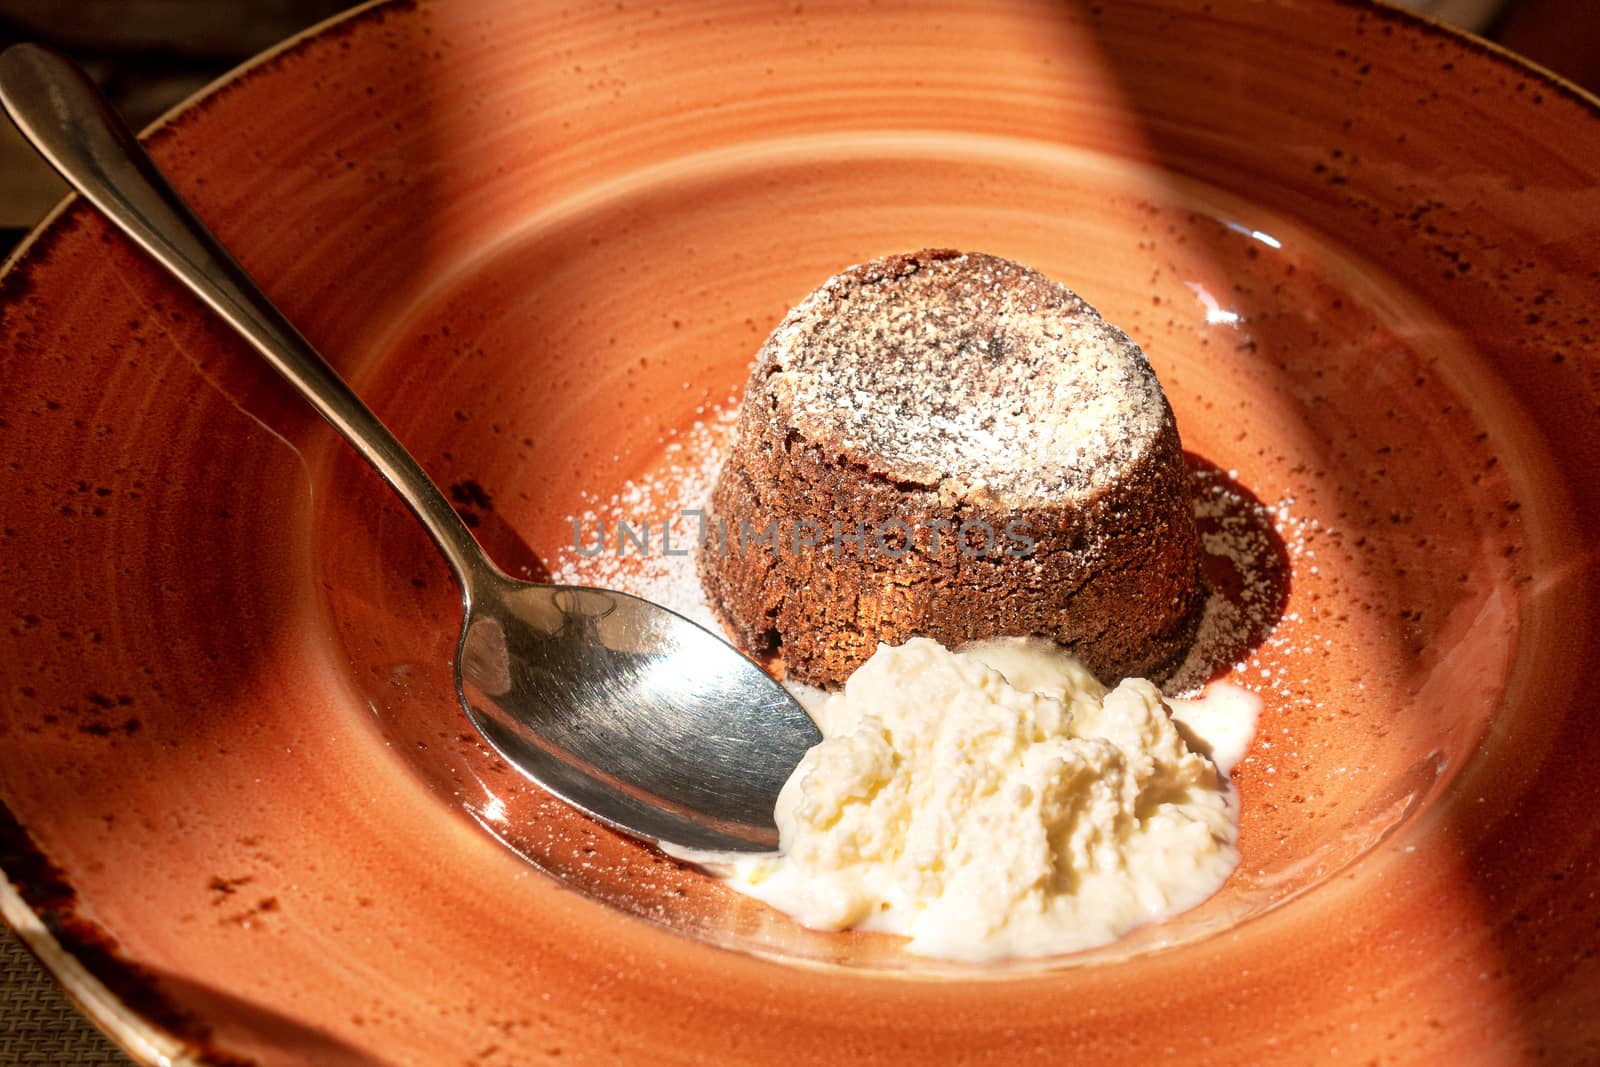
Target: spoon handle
(64,116)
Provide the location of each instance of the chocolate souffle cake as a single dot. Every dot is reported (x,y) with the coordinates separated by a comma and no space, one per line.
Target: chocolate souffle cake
(952,446)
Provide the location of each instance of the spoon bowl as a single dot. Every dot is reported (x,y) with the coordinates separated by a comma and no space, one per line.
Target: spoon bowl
(624,709)
(538,663)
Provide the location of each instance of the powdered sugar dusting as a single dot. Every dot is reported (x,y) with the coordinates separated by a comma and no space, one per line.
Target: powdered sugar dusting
(1247,550)
(663,572)
(942,369)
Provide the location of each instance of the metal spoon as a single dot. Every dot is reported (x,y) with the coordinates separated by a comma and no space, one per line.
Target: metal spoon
(616,705)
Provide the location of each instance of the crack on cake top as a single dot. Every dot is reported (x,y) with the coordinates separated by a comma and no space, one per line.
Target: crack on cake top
(967,372)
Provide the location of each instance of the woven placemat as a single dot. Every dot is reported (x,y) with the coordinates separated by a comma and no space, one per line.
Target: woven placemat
(39,1027)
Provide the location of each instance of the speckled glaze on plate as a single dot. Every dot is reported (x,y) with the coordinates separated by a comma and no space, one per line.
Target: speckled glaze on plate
(241,816)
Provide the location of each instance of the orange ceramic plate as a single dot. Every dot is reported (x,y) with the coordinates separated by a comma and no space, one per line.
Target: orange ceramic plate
(242,818)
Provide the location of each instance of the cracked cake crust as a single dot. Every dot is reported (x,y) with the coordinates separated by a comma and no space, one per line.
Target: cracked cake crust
(952,446)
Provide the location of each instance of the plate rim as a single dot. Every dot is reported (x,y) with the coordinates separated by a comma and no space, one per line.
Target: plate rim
(143,1040)
(152,1044)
